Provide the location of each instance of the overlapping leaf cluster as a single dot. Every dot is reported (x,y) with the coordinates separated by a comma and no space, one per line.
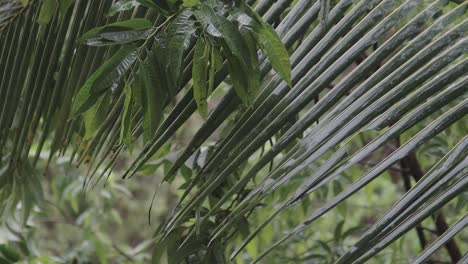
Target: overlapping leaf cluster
(383,65)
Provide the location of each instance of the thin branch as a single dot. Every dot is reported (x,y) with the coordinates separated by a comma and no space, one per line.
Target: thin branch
(440,223)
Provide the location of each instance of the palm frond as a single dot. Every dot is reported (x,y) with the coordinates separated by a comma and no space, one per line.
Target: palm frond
(385,66)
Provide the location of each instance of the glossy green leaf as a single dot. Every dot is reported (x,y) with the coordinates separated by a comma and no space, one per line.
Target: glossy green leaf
(108,74)
(47,11)
(253,68)
(267,39)
(95,116)
(151,100)
(271,44)
(127,25)
(126,126)
(126,36)
(199,75)
(239,80)
(65,5)
(219,27)
(122,5)
(177,40)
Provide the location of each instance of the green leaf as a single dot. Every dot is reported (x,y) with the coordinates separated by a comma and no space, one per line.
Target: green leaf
(214,56)
(65,5)
(127,25)
(47,11)
(151,100)
(199,75)
(238,79)
(270,43)
(126,36)
(109,73)
(94,116)
(122,5)
(177,40)
(267,39)
(338,230)
(218,26)
(126,126)
(253,70)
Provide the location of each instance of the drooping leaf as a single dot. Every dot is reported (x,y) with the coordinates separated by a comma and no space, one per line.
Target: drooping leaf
(126,36)
(199,75)
(47,11)
(177,40)
(126,126)
(220,27)
(267,39)
(65,5)
(151,99)
(271,44)
(122,5)
(127,25)
(94,116)
(215,64)
(108,74)
(253,68)
(240,83)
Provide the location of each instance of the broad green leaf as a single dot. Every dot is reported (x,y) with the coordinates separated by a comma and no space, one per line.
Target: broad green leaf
(177,40)
(94,116)
(253,70)
(151,100)
(238,79)
(108,74)
(224,29)
(269,41)
(65,5)
(199,75)
(47,11)
(100,42)
(126,36)
(213,67)
(122,5)
(132,24)
(126,126)
(24,2)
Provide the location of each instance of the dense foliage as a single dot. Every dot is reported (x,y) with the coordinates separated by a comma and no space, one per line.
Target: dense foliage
(288,131)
